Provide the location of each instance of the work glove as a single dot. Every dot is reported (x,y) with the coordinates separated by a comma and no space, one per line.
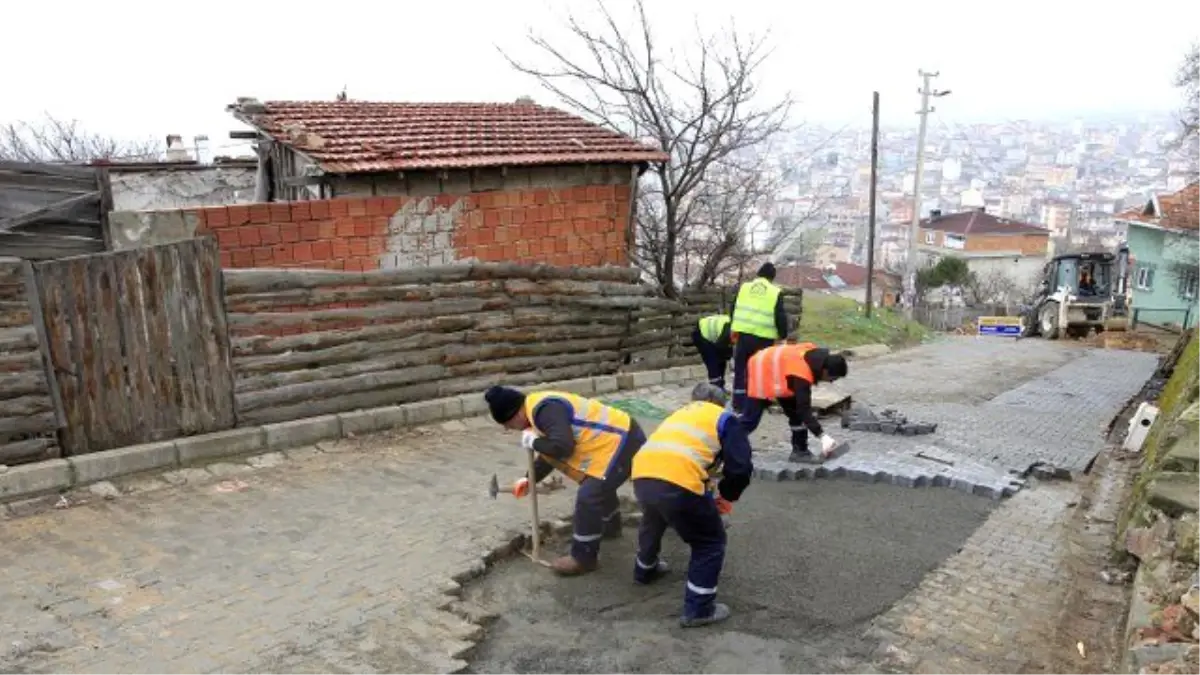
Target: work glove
(724,506)
(827,444)
(520,487)
(527,439)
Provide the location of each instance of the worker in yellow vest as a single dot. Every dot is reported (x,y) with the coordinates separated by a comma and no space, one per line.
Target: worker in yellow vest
(711,338)
(671,476)
(786,374)
(758,320)
(591,443)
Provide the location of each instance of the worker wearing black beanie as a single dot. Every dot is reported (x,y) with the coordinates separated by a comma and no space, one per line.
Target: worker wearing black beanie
(588,441)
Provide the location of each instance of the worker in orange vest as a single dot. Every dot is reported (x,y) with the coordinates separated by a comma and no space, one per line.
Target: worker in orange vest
(786,374)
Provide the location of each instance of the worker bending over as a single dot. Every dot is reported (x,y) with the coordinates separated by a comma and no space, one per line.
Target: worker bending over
(786,374)
(590,442)
(758,320)
(670,476)
(712,340)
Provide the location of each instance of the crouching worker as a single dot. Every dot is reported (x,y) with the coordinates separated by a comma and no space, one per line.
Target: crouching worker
(786,374)
(590,442)
(712,340)
(670,477)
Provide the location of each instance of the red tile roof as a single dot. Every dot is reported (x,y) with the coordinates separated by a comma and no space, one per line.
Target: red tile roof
(363,137)
(810,277)
(980,222)
(1176,211)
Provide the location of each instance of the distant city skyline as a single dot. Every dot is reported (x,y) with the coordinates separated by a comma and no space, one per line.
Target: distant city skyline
(164,69)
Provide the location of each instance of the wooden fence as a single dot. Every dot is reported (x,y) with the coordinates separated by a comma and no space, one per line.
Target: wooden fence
(27,420)
(50,211)
(408,335)
(134,340)
(134,344)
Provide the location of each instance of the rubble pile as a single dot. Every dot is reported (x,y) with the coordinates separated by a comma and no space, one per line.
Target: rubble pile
(862,418)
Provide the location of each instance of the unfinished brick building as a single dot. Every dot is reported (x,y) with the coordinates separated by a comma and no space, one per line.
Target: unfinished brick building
(356,185)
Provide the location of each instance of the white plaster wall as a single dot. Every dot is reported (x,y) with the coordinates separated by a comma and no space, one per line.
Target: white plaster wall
(181,188)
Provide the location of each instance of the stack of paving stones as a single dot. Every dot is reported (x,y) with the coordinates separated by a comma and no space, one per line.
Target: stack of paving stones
(861,418)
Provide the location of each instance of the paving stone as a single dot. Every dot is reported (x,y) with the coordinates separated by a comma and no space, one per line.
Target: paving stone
(266,460)
(185,476)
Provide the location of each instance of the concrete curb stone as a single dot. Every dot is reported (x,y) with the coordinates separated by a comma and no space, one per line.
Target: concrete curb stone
(293,436)
(220,444)
(98,466)
(34,479)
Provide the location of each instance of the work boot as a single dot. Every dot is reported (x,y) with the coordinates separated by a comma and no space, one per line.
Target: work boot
(567,566)
(800,452)
(720,613)
(645,577)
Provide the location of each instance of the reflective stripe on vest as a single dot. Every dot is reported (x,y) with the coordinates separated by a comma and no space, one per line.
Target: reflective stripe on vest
(711,327)
(768,371)
(599,432)
(754,313)
(684,448)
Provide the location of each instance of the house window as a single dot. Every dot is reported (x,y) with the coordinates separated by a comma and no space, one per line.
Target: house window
(930,238)
(1145,278)
(955,241)
(1187,284)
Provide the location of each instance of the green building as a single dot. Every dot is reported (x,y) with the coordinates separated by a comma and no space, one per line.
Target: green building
(1164,244)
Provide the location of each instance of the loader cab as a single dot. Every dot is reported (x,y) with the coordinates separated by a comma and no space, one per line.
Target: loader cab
(1088,276)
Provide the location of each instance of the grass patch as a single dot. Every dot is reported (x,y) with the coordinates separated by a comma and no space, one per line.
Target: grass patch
(1180,391)
(839,323)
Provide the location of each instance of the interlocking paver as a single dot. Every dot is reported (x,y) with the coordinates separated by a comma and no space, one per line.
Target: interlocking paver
(338,559)
(993,606)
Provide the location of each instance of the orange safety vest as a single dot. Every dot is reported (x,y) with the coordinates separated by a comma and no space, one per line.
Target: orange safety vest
(768,371)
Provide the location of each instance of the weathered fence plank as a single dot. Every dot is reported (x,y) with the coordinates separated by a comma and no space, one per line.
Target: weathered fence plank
(135,343)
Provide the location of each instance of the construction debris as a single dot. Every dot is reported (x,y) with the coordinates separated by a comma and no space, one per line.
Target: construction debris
(862,418)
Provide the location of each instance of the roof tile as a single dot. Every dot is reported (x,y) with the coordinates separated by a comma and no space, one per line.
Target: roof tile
(980,222)
(365,137)
(1178,210)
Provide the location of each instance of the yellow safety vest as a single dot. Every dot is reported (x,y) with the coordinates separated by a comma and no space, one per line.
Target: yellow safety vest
(684,448)
(599,431)
(712,326)
(755,310)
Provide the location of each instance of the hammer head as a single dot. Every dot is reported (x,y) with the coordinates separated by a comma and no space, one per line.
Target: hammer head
(493,487)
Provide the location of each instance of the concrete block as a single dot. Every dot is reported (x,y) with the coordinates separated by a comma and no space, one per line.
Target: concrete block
(283,435)
(673,375)
(473,404)
(424,412)
(698,373)
(34,479)
(107,464)
(625,381)
(220,444)
(372,420)
(647,378)
(605,384)
(582,386)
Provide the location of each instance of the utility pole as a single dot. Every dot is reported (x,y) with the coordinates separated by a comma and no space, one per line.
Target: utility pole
(871,212)
(926,93)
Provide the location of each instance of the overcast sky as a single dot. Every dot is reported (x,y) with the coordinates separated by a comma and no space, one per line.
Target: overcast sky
(145,69)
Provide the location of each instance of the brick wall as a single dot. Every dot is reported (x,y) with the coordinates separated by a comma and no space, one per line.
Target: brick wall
(583,225)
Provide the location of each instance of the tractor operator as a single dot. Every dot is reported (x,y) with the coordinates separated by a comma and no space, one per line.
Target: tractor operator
(670,478)
(786,374)
(712,339)
(758,320)
(592,443)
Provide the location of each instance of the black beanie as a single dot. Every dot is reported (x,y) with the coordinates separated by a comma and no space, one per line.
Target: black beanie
(503,402)
(836,366)
(767,271)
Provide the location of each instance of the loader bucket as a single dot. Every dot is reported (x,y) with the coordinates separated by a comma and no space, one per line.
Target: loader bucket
(1118,324)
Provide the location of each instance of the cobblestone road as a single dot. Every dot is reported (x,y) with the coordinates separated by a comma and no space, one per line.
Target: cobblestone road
(336,561)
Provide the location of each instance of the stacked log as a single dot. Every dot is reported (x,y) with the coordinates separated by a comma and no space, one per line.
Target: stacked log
(27,422)
(310,342)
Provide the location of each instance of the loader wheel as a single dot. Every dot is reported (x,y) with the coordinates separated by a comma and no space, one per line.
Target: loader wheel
(1048,320)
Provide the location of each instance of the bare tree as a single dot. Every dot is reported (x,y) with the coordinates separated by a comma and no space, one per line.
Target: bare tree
(56,140)
(1188,78)
(992,286)
(701,108)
